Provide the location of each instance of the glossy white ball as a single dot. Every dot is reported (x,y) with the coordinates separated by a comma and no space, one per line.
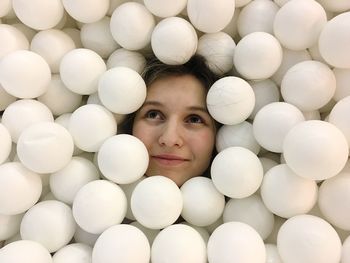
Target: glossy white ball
(12,38)
(163,8)
(127,58)
(86,11)
(73,253)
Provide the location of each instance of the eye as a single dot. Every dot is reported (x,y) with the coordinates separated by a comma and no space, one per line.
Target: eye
(195,119)
(153,114)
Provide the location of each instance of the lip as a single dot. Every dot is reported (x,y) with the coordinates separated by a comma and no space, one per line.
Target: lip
(169,159)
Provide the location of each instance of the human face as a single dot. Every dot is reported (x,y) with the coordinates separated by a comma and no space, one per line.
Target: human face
(176,128)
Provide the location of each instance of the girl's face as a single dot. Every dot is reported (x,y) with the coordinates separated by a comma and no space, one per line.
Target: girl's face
(176,128)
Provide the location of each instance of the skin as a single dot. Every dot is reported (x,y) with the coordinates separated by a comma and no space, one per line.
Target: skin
(176,128)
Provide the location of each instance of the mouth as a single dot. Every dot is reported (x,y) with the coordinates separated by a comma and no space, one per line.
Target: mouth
(169,160)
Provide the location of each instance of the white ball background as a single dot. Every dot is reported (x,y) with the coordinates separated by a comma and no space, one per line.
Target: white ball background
(281,175)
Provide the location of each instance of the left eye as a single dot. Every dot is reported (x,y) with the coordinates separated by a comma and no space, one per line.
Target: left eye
(195,119)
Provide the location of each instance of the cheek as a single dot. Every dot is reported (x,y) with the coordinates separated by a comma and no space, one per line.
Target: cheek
(203,144)
(143,133)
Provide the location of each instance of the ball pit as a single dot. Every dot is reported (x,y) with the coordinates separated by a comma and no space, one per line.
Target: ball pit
(278,191)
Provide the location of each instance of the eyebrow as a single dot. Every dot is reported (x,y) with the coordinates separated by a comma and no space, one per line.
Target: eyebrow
(157,103)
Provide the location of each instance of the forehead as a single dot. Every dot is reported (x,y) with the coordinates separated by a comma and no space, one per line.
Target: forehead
(184,88)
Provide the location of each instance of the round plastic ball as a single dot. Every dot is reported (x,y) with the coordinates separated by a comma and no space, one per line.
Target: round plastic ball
(252,211)
(218,49)
(73,253)
(273,122)
(47,219)
(306,28)
(315,150)
(39,14)
(208,16)
(129,161)
(203,204)
(132,25)
(120,243)
(45,147)
(24,74)
(331,192)
(167,41)
(334,41)
(234,242)
(236,172)
(163,8)
(86,11)
(31,112)
(5,7)
(156,202)
(335,6)
(91,211)
(80,70)
(296,235)
(339,116)
(12,39)
(257,56)
(299,88)
(121,90)
(230,100)
(9,225)
(286,194)
(25,251)
(178,243)
(52,45)
(20,188)
(65,183)
(126,58)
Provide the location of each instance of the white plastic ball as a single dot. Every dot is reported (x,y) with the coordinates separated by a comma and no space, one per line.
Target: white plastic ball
(289,59)
(58,98)
(45,147)
(132,25)
(339,116)
(99,205)
(286,194)
(230,100)
(272,255)
(20,188)
(25,251)
(97,37)
(80,70)
(39,14)
(231,27)
(236,172)
(257,56)
(167,41)
(52,45)
(273,122)
(163,8)
(65,183)
(208,16)
(11,39)
(5,99)
(334,199)
(218,49)
(335,6)
(306,28)
(127,58)
(235,242)
(257,16)
(345,255)
(5,143)
(266,92)
(315,149)
(121,243)
(203,204)
(240,134)
(299,88)
(156,202)
(334,41)
(128,189)
(252,211)
(342,77)
(73,253)
(123,159)
(121,90)
(9,225)
(90,125)
(308,239)
(86,11)
(5,7)
(149,233)
(24,74)
(48,219)
(31,112)
(178,243)
(201,230)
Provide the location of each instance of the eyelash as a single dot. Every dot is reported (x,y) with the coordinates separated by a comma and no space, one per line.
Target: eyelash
(161,117)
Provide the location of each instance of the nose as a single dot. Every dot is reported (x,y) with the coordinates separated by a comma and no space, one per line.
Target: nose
(171,134)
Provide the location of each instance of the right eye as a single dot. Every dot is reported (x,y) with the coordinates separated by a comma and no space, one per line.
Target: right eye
(153,114)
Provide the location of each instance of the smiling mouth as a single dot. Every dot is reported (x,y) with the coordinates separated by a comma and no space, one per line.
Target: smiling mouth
(169,160)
